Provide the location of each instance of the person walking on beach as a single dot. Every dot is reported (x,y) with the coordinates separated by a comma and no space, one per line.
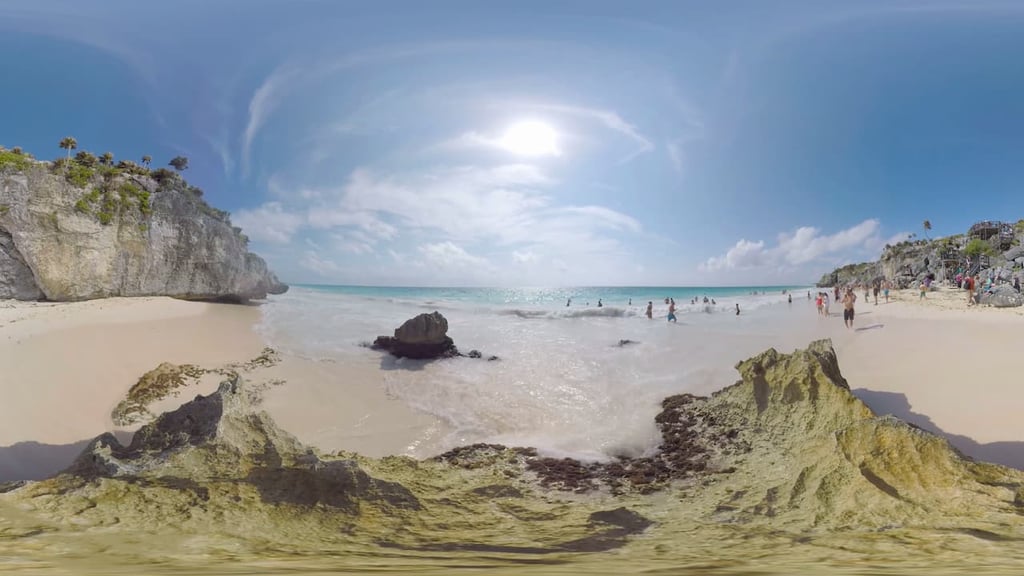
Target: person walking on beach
(848,301)
(885,290)
(650,310)
(737,309)
(672,311)
(819,303)
(790,298)
(875,289)
(825,303)
(969,287)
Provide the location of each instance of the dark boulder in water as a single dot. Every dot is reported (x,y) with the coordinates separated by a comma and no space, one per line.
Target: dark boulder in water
(424,337)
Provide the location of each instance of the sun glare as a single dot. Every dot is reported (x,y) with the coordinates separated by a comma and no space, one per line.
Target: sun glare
(530,139)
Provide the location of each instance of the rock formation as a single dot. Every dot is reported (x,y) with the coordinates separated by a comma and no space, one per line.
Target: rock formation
(908,263)
(423,337)
(122,234)
(783,470)
(1002,297)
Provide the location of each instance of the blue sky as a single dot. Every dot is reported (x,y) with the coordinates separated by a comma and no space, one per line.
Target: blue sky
(544,143)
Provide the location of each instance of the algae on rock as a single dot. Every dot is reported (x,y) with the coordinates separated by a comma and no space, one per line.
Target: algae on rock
(796,472)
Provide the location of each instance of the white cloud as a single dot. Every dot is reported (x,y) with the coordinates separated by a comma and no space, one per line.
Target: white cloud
(807,243)
(801,249)
(432,219)
(523,256)
(610,120)
(268,223)
(313,262)
(675,156)
(450,255)
(744,254)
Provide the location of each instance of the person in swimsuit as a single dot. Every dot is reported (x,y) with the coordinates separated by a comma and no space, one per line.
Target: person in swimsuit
(737,309)
(672,311)
(650,310)
(848,301)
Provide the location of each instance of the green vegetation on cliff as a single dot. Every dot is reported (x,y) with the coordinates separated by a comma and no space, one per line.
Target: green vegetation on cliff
(113,189)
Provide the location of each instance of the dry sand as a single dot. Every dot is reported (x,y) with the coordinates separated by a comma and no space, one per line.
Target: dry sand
(64,367)
(936,363)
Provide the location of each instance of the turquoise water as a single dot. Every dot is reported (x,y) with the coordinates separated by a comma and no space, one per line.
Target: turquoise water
(612,296)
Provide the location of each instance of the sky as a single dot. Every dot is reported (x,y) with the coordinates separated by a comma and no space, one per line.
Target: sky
(547,143)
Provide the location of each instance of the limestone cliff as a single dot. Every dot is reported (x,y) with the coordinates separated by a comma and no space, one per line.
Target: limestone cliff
(780,472)
(94,234)
(982,250)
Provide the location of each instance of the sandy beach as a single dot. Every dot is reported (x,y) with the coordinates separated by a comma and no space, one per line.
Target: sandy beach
(945,367)
(934,362)
(65,366)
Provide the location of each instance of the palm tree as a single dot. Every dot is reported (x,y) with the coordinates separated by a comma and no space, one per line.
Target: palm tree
(927,227)
(107,158)
(146,160)
(68,143)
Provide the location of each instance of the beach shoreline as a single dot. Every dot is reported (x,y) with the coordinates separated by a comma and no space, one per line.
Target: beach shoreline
(67,366)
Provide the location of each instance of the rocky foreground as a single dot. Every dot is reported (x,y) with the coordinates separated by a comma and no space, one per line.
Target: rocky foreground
(784,470)
(101,233)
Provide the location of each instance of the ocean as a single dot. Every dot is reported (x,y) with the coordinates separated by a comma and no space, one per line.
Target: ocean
(563,384)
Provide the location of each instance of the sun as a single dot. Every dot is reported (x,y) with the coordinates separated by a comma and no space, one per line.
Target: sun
(530,138)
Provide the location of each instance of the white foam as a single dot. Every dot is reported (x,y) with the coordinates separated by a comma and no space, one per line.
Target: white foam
(562,385)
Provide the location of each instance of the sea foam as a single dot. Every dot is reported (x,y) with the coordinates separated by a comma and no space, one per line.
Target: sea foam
(563,385)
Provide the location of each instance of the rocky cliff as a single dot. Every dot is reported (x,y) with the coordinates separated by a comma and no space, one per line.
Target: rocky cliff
(82,233)
(908,263)
(782,471)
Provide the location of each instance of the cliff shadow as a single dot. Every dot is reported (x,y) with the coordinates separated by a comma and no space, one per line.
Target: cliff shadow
(36,461)
(1007,453)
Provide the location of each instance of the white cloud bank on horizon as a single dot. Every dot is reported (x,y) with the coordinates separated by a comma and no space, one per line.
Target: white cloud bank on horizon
(800,252)
(455,225)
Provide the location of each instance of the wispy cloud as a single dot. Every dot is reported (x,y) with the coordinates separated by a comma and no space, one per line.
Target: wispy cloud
(263,103)
(270,223)
(609,119)
(675,155)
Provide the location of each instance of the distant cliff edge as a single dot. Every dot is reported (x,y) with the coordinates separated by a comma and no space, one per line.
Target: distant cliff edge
(988,249)
(82,228)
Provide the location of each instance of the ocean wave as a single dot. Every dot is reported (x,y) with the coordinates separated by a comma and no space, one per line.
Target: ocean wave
(604,312)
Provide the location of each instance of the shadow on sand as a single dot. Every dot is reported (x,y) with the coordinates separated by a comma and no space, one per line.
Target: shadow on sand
(35,461)
(1006,453)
